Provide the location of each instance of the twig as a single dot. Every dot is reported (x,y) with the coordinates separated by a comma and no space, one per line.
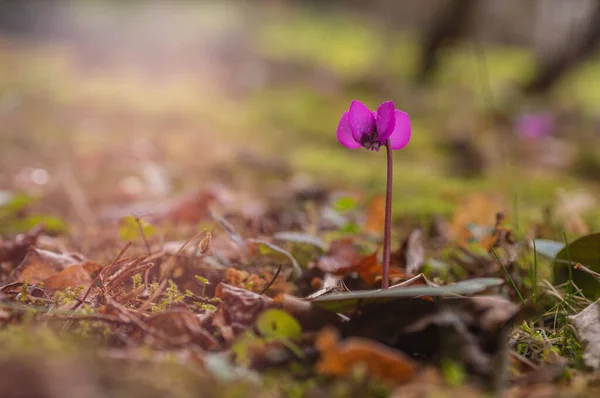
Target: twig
(272,279)
(89,289)
(163,276)
(141,228)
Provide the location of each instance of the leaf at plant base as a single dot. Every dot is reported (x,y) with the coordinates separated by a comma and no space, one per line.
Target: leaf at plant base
(548,248)
(299,237)
(587,324)
(275,323)
(342,302)
(129,229)
(585,250)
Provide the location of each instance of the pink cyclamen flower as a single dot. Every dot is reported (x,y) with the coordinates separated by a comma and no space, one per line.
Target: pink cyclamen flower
(534,126)
(359,127)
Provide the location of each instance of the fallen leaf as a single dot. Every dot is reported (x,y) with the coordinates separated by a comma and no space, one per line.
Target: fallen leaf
(341,255)
(71,277)
(587,324)
(180,328)
(238,310)
(205,245)
(411,254)
(548,248)
(39,265)
(14,250)
(375,215)
(381,362)
(475,209)
(276,323)
(191,209)
(370,270)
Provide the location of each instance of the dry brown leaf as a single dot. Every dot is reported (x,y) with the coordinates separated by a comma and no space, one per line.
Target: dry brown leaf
(238,309)
(370,270)
(339,359)
(411,254)
(205,245)
(341,256)
(39,265)
(15,250)
(191,209)
(72,277)
(476,208)
(376,215)
(181,326)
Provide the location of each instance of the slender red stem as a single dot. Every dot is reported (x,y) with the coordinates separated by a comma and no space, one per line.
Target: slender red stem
(385,282)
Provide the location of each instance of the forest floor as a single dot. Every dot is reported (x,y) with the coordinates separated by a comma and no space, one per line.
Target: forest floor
(171,225)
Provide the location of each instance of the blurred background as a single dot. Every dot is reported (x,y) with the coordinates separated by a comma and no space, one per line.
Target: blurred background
(107,103)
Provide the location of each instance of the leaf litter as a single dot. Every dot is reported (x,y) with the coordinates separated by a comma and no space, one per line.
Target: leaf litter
(237,305)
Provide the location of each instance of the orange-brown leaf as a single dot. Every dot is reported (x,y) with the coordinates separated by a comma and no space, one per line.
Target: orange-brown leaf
(72,277)
(39,265)
(384,363)
(370,270)
(376,215)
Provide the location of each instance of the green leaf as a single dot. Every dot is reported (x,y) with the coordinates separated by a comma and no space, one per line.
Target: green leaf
(243,345)
(14,204)
(342,302)
(548,248)
(278,324)
(344,204)
(129,229)
(202,280)
(585,250)
(299,237)
(266,247)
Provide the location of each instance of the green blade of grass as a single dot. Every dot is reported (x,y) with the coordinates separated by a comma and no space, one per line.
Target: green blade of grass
(507,274)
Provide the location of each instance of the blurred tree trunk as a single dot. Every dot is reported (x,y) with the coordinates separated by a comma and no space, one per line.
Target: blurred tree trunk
(449,24)
(552,69)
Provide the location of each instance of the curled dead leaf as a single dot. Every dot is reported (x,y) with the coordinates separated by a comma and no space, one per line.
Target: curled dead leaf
(39,265)
(205,245)
(71,277)
(238,310)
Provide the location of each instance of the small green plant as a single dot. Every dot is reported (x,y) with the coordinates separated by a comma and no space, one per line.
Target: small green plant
(171,296)
(204,282)
(137,280)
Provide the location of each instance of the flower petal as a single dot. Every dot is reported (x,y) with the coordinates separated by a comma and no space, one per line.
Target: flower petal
(344,134)
(386,120)
(401,134)
(361,120)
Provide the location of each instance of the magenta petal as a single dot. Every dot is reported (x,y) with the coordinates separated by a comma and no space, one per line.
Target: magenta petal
(386,120)
(361,120)
(401,134)
(344,134)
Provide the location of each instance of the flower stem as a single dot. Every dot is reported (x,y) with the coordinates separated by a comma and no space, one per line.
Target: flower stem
(385,282)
